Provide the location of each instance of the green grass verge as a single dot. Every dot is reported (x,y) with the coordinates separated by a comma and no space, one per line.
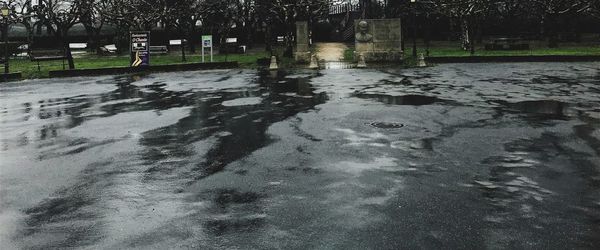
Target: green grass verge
(29,69)
(453,51)
(349,55)
(562,51)
(570,51)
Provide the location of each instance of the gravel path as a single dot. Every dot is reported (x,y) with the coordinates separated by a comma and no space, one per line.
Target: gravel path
(331,52)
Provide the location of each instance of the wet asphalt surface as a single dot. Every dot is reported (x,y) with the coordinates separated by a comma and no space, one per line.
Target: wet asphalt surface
(458,156)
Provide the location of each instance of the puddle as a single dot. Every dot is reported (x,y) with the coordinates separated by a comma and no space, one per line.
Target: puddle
(386,125)
(243,102)
(541,107)
(414,100)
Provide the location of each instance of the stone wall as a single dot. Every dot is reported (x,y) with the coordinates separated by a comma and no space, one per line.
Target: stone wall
(379,40)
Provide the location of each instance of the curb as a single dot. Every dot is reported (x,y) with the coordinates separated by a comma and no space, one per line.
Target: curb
(484,59)
(157,68)
(10,77)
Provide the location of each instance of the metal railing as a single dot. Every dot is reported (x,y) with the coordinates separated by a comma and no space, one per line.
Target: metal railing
(343,8)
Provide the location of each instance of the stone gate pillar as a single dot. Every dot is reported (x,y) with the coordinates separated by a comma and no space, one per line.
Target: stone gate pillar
(302,53)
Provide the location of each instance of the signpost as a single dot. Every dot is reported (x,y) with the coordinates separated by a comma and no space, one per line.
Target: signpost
(207,43)
(140,48)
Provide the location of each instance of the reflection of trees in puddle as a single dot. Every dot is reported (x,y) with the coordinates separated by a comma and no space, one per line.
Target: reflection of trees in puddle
(549,79)
(550,108)
(246,124)
(236,132)
(543,111)
(169,154)
(411,100)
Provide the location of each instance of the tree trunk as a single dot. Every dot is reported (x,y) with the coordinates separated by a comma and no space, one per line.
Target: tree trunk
(472,40)
(192,38)
(249,37)
(192,43)
(465,34)
(68,53)
(183,50)
(29,29)
(92,38)
(268,46)
(402,36)
(289,48)
(552,32)
(542,33)
(427,35)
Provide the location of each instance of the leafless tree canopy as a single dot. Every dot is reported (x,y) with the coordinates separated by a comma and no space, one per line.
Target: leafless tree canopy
(187,17)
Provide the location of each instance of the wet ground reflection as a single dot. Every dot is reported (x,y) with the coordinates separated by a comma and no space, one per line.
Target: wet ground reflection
(412,100)
(236,119)
(453,156)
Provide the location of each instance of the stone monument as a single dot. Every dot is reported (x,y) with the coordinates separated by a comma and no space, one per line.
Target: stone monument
(273,65)
(314,62)
(302,53)
(361,61)
(421,60)
(378,40)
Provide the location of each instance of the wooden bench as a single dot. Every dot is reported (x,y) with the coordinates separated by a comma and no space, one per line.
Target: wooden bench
(159,50)
(505,43)
(232,46)
(47,56)
(177,42)
(78,46)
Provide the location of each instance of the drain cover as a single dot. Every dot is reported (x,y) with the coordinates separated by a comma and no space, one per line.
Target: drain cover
(386,124)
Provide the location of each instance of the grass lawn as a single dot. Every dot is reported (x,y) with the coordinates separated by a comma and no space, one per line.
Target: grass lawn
(30,69)
(349,54)
(439,49)
(574,51)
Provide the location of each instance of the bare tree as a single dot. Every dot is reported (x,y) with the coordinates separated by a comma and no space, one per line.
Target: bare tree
(22,13)
(128,15)
(288,12)
(466,13)
(594,8)
(184,16)
(93,20)
(60,16)
(135,14)
(551,13)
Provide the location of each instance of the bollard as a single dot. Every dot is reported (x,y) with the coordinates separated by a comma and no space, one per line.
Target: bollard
(361,61)
(273,65)
(314,62)
(421,61)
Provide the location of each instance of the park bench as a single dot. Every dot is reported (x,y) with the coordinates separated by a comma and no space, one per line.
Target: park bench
(506,43)
(176,42)
(159,50)
(22,51)
(109,49)
(568,37)
(78,48)
(13,48)
(43,56)
(232,46)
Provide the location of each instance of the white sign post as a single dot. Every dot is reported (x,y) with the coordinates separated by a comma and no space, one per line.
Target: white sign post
(207,43)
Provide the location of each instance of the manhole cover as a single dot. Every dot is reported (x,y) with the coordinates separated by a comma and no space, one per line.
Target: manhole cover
(386,125)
